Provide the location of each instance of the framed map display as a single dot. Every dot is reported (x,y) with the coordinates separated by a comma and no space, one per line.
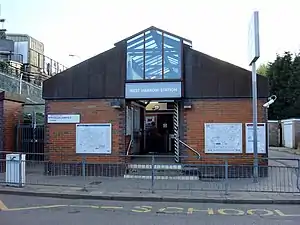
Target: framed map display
(94,138)
(223,137)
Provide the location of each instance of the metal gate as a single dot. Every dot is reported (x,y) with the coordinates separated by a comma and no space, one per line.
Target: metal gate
(176,131)
(30,134)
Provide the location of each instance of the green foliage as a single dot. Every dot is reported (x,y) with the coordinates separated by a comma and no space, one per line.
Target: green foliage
(284,82)
(27,118)
(262,69)
(3,66)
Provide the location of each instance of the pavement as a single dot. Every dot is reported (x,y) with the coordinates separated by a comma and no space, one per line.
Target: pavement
(280,187)
(15,210)
(286,150)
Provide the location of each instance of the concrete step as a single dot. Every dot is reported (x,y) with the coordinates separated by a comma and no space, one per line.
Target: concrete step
(161,172)
(182,177)
(156,166)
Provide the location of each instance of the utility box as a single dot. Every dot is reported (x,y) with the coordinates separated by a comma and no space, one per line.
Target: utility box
(15,170)
(290,132)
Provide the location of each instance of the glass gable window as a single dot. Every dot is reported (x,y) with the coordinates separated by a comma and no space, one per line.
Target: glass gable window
(154,55)
(135,58)
(172,57)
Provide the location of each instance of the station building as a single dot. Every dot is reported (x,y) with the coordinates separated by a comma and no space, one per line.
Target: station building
(152,76)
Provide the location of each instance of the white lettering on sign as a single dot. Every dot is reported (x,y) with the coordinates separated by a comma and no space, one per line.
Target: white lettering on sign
(63,118)
(151,90)
(135,90)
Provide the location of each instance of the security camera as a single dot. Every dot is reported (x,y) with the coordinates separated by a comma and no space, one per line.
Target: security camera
(271,100)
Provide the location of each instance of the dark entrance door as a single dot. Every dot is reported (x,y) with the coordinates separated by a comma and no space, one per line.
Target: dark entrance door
(165,128)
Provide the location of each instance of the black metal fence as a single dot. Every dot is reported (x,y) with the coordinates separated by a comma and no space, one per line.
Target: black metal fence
(153,173)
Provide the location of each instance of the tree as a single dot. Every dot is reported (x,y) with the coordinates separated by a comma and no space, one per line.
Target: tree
(284,82)
(262,69)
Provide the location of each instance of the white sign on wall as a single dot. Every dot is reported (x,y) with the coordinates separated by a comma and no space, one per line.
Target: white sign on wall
(63,118)
(261,138)
(223,137)
(94,138)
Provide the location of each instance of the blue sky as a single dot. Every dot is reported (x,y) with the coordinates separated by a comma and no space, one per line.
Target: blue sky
(216,27)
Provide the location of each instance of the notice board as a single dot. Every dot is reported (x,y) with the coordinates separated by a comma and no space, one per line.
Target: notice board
(223,137)
(261,138)
(94,138)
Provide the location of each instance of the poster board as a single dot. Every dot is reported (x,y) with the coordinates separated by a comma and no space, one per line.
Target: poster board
(261,138)
(94,138)
(223,138)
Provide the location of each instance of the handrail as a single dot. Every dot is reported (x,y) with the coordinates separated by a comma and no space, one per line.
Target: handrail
(129,146)
(189,147)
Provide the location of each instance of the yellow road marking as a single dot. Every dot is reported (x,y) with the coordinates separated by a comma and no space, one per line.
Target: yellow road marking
(142,209)
(263,212)
(145,209)
(171,210)
(280,213)
(111,207)
(209,211)
(231,212)
(85,206)
(36,207)
(2,206)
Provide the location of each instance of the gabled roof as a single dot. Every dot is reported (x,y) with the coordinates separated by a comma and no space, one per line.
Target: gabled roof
(157,29)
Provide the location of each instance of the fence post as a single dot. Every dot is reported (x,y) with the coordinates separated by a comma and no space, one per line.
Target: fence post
(20,170)
(152,173)
(298,175)
(83,164)
(226,176)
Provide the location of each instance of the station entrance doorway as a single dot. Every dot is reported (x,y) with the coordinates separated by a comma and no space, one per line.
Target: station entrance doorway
(152,127)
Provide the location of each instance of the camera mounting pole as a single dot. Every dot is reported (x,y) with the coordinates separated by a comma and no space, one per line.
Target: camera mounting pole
(254,54)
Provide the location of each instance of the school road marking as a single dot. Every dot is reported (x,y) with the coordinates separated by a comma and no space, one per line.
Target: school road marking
(167,210)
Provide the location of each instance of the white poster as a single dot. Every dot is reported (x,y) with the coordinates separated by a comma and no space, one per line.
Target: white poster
(223,137)
(63,118)
(261,138)
(94,138)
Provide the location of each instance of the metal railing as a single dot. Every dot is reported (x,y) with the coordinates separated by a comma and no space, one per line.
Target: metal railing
(10,83)
(189,147)
(120,173)
(129,147)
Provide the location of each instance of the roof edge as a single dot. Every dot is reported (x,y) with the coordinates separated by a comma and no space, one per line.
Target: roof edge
(152,28)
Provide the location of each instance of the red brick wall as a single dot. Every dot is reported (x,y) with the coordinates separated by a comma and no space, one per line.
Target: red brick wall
(61,138)
(12,112)
(217,111)
(1,125)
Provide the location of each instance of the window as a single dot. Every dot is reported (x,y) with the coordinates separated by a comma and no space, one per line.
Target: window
(135,58)
(172,57)
(154,55)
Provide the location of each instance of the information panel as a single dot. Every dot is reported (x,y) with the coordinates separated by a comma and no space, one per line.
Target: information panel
(94,138)
(223,138)
(261,138)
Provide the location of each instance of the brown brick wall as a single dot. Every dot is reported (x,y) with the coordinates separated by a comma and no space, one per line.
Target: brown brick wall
(217,111)
(12,112)
(61,138)
(1,125)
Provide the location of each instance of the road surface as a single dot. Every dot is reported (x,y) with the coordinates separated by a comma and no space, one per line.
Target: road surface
(16,210)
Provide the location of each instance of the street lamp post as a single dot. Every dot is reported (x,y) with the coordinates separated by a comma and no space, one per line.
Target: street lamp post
(254,54)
